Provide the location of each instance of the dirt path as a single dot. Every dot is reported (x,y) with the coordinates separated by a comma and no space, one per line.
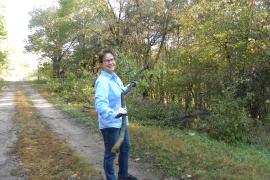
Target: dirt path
(8,163)
(81,139)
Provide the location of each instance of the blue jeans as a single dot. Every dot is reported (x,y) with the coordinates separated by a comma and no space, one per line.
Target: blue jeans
(110,136)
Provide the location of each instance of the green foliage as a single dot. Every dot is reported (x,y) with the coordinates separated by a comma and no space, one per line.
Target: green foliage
(153,113)
(73,88)
(3,53)
(44,72)
(267,118)
(54,85)
(77,89)
(228,120)
(3,33)
(126,68)
(3,60)
(147,112)
(258,92)
(196,49)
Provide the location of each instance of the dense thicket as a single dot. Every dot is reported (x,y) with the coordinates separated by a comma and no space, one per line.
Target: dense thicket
(205,56)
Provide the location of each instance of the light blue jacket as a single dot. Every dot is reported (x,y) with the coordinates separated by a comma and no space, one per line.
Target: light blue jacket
(108,89)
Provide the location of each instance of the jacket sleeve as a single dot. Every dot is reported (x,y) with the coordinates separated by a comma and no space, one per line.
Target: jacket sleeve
(102,100)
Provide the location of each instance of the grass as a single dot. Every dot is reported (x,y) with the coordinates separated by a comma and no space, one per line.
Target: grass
(183,154)
(187,155)
(42,155)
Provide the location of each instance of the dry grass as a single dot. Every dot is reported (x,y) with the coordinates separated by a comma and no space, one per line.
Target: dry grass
(41,153)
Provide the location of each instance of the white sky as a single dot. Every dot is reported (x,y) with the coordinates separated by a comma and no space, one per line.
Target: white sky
(17,18)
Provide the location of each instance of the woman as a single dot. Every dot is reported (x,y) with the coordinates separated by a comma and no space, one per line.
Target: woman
(108,88)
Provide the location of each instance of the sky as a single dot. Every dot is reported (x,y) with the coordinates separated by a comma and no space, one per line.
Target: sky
(16,13)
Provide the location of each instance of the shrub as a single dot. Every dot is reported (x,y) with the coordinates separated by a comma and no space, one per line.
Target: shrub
(229,120)
(54,85)
(72,88)
(152,113)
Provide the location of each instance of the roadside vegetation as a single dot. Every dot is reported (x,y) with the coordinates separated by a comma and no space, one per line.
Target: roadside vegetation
(184,154)
(3,53)
(209,70)
(41,154)
(209,60)
(2,83)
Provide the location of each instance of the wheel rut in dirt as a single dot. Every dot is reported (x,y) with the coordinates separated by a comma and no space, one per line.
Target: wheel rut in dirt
(8,161)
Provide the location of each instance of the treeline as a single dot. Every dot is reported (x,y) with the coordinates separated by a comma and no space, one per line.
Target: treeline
(3,54)
(206,57)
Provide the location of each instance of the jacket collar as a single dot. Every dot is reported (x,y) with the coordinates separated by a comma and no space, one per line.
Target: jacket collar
(108,75)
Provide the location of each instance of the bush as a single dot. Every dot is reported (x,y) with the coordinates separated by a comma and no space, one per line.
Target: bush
(259,134)
(229,120)
(72,88)
(152,113)
(54,85)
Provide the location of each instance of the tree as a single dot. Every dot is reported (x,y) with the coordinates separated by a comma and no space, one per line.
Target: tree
(3,55)
(52,37)
(197,49)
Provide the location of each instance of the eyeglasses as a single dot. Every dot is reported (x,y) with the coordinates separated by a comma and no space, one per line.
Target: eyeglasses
(108,60)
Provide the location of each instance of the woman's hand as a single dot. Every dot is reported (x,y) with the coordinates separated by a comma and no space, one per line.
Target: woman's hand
(120,112)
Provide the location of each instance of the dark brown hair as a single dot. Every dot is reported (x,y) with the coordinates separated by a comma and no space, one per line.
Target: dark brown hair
(102,53)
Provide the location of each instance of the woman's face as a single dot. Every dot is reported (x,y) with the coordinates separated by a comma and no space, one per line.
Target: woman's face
(108,63)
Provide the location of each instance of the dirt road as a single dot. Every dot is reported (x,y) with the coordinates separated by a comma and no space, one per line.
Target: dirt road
(8,163)
(88,144)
